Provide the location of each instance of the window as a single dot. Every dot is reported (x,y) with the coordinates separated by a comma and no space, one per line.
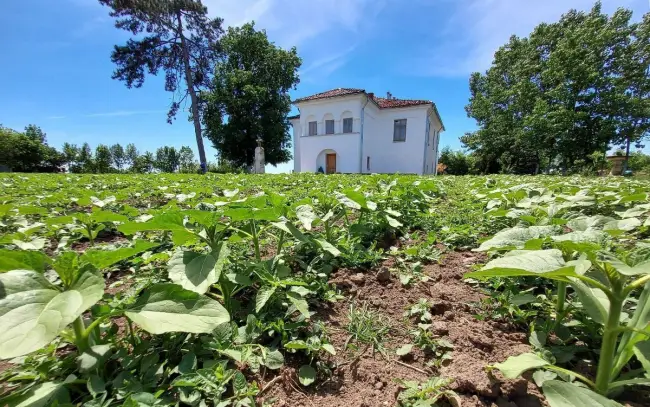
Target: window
(347,125)
(313,126)
(399,131)
(329,126)
(368,163)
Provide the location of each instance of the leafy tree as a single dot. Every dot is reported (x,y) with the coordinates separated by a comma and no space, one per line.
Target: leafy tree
(567,90)
(118,156)
(175,36)
(35,133)
(455,162)
(167,159)
(103,159)
(144,163)
(186,160)
(131,155)
(28,152)
(639,162)
(70,154)
(250,99)
(85,161)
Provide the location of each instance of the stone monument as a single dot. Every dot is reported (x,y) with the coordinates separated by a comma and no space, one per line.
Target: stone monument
(258,167)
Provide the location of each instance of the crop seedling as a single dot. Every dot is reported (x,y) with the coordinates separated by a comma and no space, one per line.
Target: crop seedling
(431,393)
(604,283)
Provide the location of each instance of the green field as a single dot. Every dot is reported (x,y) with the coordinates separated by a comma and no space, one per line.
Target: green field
(305,289)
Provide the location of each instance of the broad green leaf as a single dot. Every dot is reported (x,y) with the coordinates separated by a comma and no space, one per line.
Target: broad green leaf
(328,247)
(350,203)
(306,215)
(188,363)
(516,237)
(93,358)
(102,259)
(541,376)
(195,271)
(288,227)
(33,311)
(67,267)
(536,261)
(23,260)
(642,352)
(166,221)
(589,223)
(95,385)
(168,307)
(393,222)
(563,394)
(404,350)
(623,224)
(633,197)
(329,348)
(523,299)
(623,268)
(514,366)
(34,244)
(306,375)
(296,344)
(299,302)
(579,236)
(640,320)
(108,216)
(263,295)
(594,301)
(42,395)
(273,360)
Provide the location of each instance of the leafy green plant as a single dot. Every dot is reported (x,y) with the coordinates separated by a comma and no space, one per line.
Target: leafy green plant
(603,284)
(431,393)
(367,327)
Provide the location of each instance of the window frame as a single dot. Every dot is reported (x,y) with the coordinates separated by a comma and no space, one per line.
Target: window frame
(348,120)
(397,124)
(327,129)
(315,133)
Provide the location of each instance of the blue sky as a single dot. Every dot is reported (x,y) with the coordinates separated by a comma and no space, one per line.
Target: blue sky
(56,68)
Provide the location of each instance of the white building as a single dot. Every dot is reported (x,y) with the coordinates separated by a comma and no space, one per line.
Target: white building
(352,131)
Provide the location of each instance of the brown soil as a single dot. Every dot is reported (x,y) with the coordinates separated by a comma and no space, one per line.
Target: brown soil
(369,379)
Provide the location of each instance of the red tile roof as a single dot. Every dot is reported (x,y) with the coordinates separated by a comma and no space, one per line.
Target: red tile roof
(390,103)
(382,103)
(330,94)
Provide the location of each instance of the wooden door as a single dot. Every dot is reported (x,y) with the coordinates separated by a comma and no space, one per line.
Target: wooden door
(330,164)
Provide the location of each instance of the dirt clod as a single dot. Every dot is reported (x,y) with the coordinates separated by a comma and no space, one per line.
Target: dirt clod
(383,275)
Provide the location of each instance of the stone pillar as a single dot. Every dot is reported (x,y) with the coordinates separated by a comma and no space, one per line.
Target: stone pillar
(258,167)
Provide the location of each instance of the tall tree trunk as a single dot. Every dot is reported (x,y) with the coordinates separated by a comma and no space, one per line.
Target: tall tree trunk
(627,154)
(193,97)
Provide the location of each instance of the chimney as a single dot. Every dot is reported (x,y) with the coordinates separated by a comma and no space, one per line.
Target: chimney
(389,95)
(371,95)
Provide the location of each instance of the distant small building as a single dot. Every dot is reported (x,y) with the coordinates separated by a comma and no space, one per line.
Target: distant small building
(353,131)
(617,164)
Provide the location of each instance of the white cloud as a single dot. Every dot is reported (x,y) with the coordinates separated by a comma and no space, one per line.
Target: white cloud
(320,29)
(477,28)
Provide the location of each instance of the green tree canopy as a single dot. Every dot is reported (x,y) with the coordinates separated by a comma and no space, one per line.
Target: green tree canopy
(175,36)
(249,98)
(28,151)
(569,89)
